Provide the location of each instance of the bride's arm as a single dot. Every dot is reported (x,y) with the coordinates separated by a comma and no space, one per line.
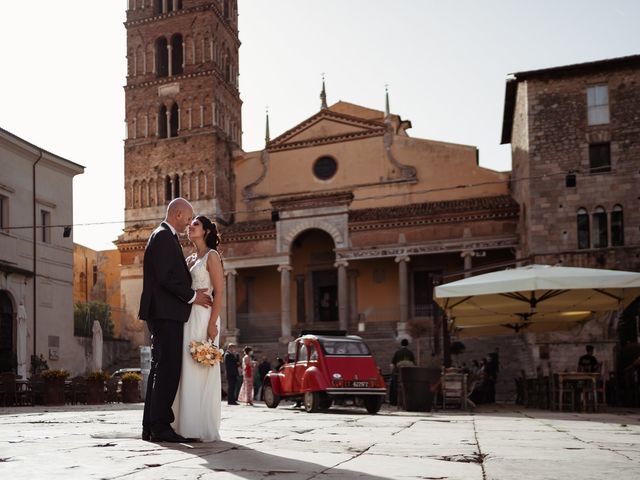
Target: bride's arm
(216,274)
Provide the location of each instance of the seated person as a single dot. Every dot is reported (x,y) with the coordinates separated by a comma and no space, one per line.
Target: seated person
(587,362)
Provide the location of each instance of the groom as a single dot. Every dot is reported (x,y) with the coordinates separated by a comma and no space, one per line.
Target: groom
(165,304)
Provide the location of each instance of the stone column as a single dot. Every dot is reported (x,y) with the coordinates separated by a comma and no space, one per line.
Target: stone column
(285,303)
(170,58)
(467,255)
(231,332)
(353,297)
(403,289)
(300,303)
(343,297)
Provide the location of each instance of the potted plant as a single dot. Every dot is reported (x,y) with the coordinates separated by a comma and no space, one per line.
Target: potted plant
(54,386)
(131,387)
(95,387)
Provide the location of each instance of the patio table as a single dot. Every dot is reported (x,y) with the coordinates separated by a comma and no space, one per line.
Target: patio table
(574,377)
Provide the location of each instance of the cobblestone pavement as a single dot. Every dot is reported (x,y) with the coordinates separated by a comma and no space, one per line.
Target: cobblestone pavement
(87,442)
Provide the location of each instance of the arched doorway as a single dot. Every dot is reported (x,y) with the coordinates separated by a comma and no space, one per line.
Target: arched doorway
(7,361)
(315,276)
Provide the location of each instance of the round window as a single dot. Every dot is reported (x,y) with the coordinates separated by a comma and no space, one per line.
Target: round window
(324,168)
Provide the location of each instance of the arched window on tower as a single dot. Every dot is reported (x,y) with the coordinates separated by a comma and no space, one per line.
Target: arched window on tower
(174,120)
(177,57)
(202,185)
(162,122)
(192,190)
(157,7)
(617,227)
(227,66)
(583,228)
(144,194)
(600,235)
(162,57)
(136,194)
(167,189)
(152,193)
(176,186)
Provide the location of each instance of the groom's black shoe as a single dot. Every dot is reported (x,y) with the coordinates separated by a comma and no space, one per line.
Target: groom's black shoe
(146,433)
(168,436)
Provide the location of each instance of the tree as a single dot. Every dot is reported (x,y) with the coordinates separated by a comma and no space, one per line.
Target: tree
(85,313)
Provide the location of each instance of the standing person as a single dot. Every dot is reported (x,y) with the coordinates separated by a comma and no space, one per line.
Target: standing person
(231,369)
(403,354)
(246,391)
(165,304)
(198,401)
(491,369)
(588,362)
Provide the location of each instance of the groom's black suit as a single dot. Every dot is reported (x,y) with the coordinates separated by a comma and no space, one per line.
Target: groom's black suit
(164,304)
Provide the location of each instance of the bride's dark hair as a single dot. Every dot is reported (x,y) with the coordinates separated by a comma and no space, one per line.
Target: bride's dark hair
(211,236)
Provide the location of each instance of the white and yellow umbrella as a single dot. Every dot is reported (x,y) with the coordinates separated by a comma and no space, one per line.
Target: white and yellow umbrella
(536,298)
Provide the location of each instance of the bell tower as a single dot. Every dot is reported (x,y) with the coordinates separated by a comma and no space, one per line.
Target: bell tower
(183,122)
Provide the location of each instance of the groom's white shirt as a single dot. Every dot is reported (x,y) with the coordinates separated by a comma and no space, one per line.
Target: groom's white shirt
(173,231)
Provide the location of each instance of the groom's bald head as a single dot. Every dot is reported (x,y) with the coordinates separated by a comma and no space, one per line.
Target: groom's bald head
(179,214)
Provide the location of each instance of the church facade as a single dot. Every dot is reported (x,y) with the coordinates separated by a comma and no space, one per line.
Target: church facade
(346,222)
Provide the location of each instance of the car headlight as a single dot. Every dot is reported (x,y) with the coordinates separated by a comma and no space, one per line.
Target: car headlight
(337,376)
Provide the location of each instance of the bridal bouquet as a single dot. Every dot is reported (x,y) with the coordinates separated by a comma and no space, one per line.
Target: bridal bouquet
(205,353)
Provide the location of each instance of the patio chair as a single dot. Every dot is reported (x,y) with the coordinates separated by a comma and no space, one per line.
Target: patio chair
(454,390)
(79,389)
(112,390)
(36,386)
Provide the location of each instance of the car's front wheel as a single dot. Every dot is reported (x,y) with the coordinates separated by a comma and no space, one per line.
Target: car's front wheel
(311,402)
(373,404)
(271,399)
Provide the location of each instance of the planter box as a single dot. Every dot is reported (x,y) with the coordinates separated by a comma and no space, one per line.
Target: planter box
(54,391)
(95,392)
(130,391)
(417,385)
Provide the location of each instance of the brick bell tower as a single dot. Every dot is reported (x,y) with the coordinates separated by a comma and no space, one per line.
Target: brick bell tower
(183,123)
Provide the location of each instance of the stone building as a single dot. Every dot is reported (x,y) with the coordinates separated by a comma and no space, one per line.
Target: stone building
(96,278)
(183,117)
(575,139)
(36,317)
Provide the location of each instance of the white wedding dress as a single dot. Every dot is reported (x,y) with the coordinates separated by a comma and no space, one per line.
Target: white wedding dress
(198,402)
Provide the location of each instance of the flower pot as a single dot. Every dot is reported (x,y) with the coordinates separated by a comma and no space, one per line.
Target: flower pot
(130,391)
(417,386)
(95,392)
(54,391)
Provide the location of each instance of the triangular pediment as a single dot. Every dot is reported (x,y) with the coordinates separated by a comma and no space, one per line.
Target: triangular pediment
(329,126)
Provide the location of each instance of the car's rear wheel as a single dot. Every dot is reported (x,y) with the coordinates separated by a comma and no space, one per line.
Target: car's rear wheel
(311,402)
(271,399)
(373,404)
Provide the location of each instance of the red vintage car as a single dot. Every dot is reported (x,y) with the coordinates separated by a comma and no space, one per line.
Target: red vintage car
(325,369)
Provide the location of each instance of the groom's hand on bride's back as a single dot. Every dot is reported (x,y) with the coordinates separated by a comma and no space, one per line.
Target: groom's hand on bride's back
(203,298)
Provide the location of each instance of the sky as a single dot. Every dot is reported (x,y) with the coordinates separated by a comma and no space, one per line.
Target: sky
(445,64)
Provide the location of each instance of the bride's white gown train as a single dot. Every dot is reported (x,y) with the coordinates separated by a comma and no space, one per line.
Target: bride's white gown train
(198,401)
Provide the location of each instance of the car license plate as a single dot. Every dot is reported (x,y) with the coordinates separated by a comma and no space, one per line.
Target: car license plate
(360,384)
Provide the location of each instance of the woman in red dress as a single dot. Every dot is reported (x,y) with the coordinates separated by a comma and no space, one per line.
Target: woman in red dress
(246,391)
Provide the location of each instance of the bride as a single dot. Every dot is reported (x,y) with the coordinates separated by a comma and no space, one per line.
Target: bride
(198,401)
